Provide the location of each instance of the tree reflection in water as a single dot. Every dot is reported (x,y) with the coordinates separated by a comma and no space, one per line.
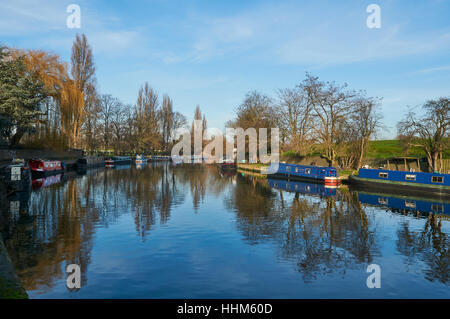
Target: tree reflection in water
(320,236)
(430,245)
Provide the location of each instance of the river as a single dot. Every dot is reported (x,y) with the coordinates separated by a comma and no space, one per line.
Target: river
(159,231)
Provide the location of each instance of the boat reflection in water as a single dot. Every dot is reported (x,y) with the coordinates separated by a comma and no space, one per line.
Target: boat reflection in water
(405,204)
(302,187)
(46,181)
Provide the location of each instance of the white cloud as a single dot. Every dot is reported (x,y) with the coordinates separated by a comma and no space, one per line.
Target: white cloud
(435,69)
(304,35)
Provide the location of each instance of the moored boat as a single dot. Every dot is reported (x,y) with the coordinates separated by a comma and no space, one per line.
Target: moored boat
(117,160)
(327,175)
(90,161)
(41,168)
(228,166)
(403,181)
(159,158)
(141,159)
(16,175)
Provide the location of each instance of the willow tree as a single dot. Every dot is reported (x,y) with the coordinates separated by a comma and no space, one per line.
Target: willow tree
(72,112)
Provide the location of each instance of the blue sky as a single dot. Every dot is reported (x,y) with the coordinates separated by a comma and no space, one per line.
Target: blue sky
(212,52)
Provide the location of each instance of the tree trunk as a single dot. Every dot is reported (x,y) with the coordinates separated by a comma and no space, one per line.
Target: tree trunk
(433,158)
(16,137)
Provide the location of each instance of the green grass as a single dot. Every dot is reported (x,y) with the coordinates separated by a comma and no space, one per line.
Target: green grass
(390,148)
(393,148)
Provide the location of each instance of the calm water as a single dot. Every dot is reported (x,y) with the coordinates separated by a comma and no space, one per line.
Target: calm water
(190,232)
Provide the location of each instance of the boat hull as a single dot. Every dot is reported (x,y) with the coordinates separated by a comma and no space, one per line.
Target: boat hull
(327,181)
(400,187)
(228,166)
(112,163)
(90,162)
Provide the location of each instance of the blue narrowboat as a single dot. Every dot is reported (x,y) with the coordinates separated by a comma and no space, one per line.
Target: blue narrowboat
(117,160)
(302,187)
(415,182)
(399,203)
(327,175)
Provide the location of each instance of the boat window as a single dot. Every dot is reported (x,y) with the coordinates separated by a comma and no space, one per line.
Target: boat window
(383,175)
(410,177)
(437,179)
(307,171)
(382,201)
(437,208)
(288,168)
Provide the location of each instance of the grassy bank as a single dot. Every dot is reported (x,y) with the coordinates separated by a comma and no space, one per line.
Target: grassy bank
(384,149)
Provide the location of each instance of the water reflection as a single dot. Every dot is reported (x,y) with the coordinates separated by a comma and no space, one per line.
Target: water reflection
(320,235)
(320,232)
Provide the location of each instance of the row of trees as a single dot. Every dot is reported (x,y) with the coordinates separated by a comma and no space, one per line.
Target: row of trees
(325,118)
(316,117)
(44,102)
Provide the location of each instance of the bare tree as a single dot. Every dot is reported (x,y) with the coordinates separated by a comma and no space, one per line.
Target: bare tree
(366,120)
(294,118)
(166,121)
(108,106)
(332,105)
(147,119)
(429,132)
(83,69)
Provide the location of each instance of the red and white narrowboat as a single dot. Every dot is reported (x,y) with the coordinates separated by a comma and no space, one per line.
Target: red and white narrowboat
(41,168)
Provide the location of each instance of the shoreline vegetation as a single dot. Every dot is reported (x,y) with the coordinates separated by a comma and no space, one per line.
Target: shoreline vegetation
(47,103)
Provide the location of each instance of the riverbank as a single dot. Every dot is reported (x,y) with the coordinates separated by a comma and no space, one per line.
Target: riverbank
(10,287)
(254,168)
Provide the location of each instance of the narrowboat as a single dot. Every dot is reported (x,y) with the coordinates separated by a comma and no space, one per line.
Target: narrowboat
(90,161)
(41,168)
(16,176)
(302,187)
(228,166)
(156,158)
(117,160)
(403,181)
(141,159)
(405,203)
(319,174)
